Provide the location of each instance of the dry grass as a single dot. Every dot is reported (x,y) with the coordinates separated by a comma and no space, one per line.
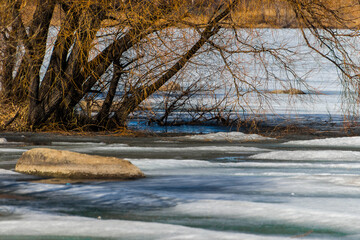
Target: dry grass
(29,9)
(249,14)
(12,117)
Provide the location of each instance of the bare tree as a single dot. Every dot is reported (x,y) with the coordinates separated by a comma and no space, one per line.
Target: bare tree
(118,54)
(72,71)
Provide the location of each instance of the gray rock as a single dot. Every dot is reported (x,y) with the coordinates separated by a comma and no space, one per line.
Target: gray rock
(65,164)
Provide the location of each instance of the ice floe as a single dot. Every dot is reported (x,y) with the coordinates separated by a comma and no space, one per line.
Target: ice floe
(11,150)
(263,213)
(299,155)
(328,142)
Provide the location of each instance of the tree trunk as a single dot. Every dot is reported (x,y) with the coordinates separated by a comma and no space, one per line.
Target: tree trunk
(62,78)
(106,107)
(38,33)
(13,34)
(132,100)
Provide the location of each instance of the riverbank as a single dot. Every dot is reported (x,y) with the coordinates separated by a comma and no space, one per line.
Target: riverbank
(291,132)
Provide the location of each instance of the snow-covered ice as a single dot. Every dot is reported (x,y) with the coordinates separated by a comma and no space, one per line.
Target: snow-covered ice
(307,155)
(42,225)
(328,142)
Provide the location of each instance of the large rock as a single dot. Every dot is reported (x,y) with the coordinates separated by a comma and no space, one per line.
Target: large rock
(65,164)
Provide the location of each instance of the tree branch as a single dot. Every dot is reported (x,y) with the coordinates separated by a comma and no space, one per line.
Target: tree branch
(133,99)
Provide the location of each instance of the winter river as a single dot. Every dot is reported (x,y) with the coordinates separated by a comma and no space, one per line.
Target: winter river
(217,186)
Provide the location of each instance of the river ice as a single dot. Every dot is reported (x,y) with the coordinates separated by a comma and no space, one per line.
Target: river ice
(260,189)
(209,186)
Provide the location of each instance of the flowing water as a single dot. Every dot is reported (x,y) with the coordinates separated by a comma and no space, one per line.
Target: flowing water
(217,186)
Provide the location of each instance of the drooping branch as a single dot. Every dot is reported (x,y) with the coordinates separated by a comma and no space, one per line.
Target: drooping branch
(133,99)
(105,110)
(111,54)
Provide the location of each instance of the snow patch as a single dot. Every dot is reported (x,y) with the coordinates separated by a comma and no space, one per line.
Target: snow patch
(330,155)
(330,142)
(3,140)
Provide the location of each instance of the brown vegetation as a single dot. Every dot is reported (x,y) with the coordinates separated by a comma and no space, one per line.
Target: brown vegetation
(291,91)
(75,72)
(12,116)
(249,13)
(142,52)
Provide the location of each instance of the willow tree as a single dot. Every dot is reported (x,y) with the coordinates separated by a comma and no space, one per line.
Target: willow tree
(57,53)
(53,84)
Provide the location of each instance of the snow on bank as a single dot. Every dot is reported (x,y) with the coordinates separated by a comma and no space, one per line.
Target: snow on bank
(328,142)
(3,140)
(32,224)
(329,155)
(226,136)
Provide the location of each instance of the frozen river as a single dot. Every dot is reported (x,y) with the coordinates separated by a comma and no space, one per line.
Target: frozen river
(219,186)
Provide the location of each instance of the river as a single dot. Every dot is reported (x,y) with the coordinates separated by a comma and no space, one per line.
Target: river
(212,186)
(217,186)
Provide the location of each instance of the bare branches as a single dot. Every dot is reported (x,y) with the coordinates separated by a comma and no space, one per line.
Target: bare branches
(130,102)
(337,45)
(126,51)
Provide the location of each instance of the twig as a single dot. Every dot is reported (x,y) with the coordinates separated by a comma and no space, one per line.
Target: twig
(12,119)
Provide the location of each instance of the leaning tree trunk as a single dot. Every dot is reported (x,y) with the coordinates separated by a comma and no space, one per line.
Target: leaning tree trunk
(70,75)
(65,71)
(132,100)
(13,35)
